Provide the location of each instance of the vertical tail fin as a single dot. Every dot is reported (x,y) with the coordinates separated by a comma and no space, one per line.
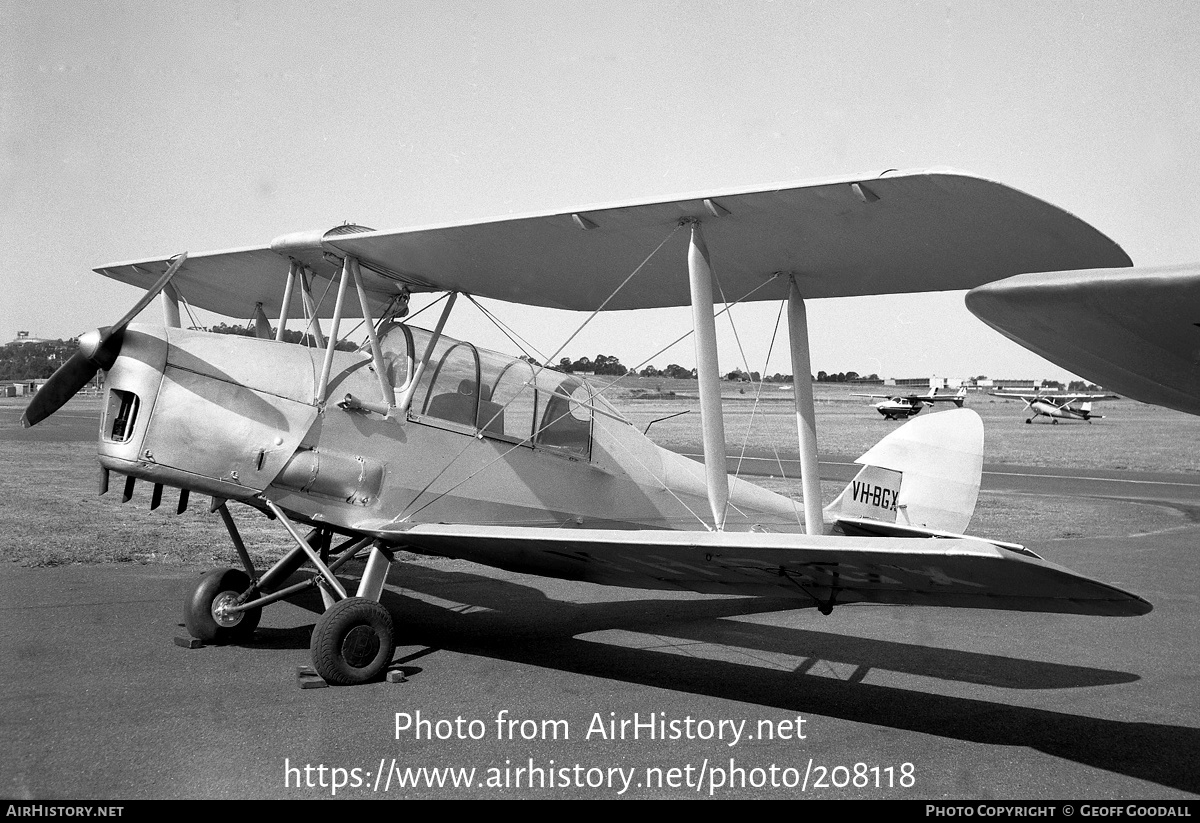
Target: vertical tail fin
(924,475)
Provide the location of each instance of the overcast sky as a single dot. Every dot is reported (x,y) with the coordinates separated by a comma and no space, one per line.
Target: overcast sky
(137,129)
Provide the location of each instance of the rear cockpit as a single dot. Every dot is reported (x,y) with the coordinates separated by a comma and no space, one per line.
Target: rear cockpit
(496,395)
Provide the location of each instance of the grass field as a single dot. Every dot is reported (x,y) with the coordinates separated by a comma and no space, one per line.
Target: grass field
(1132,436)
(51,514)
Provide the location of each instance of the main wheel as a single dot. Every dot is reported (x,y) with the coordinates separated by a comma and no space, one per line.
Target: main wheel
(352,642)
(206,612)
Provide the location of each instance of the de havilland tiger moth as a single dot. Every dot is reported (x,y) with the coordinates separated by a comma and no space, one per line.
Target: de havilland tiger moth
(420,442)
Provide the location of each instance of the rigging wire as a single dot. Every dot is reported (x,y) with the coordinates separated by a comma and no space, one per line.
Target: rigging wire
(188,308)
(306,286)
(596,392)
(508,331)
(686,335)
(746,365)
(757,398)
(530,383)
(413,316)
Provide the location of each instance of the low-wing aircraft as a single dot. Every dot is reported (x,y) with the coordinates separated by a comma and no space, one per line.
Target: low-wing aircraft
(422,442)
(1058,406)
(904,406)
(1133,330)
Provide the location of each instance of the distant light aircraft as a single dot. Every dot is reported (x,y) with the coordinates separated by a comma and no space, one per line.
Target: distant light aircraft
(1058,406)
(903,406)
(1135,331)
(421,442)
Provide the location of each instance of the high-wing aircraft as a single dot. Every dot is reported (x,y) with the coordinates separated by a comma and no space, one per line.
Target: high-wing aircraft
(1058,406)
(418,441)
(903,406)
(1133,330)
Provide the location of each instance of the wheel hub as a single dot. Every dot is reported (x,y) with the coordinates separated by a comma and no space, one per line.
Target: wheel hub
(360,646)
(222,603)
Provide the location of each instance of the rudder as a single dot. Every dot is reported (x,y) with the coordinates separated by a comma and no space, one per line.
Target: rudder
(925,475)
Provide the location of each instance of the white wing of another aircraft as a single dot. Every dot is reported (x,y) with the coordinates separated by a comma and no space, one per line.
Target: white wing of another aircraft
(1135,331)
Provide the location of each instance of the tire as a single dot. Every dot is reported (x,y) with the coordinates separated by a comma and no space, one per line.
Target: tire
(352,642)
(202,613)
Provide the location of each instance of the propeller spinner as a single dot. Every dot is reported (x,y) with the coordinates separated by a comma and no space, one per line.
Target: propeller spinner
(98,349)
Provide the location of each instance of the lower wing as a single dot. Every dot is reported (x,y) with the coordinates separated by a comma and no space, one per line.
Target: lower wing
(825,570)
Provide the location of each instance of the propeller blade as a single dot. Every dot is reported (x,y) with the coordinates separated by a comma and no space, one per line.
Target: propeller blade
(98,352)
(120,325)
(61,387)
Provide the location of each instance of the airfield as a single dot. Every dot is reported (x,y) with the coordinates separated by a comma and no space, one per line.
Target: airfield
(521,678)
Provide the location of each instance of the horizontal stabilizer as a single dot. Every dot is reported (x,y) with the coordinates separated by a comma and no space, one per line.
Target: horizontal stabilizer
(865,527)
(956,398)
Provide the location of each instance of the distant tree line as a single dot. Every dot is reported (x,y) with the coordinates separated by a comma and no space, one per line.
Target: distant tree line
(34,361)
(289,335)
(603,364)
(845,377)
(674,371)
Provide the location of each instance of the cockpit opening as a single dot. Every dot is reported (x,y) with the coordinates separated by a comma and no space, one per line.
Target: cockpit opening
(493,394)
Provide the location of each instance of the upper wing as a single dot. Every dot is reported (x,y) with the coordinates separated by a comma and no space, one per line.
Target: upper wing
(1026,397)
(892,233)
(1075,398)
(967,572)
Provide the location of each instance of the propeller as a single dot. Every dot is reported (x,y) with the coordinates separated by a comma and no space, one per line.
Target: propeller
(98,349)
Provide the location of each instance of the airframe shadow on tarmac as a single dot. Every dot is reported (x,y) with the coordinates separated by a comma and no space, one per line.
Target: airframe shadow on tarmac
(507,620)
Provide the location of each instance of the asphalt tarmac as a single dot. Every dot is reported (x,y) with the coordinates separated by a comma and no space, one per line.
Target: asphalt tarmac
(522,687)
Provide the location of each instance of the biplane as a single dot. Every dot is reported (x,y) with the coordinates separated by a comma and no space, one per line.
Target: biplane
(904,406)
(1132,330)
(421,442)
(1056,405)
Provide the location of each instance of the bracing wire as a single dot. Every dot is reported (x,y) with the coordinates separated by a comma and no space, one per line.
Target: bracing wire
(530,382)
(520,342)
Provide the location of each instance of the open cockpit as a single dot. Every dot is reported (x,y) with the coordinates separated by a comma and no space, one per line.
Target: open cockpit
(496,395)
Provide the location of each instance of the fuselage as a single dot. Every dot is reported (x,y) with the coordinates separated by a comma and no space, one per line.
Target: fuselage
(1063,412)
(898,408)
(488,439)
